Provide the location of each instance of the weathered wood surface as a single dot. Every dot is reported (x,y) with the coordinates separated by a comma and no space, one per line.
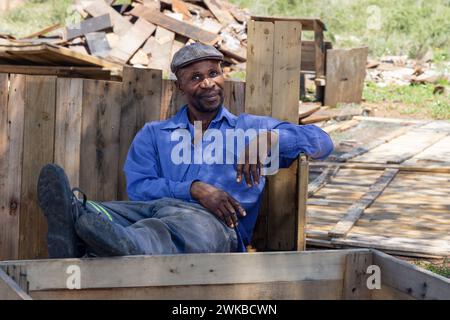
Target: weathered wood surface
(407,145)
(410,216)
(187,269)
(346,70)
(272,89)
(10,290)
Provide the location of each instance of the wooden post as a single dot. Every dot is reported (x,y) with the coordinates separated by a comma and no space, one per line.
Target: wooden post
(272,89)
(319,52)
(302,191)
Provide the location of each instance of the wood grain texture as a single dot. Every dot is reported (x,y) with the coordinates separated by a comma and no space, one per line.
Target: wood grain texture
(346,70)
(99,8)
(38,150)
(94,24)
(141,101)
(100,139)
(12,109)
(69,97)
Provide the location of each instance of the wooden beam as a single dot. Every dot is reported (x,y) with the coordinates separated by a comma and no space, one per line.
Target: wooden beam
(187,269)
(322,179)
(95,24)
(370,166)
(219,11)
(302,196)
(73,72)
(10,290)
(98,44)
(38,150)
(410,279)
(99,8)
(12,116)
(355,276)
(307,23)
(357,209)
(132,40)
(179,27)
(46,30)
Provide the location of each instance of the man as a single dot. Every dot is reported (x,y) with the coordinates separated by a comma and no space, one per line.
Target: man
(183,198)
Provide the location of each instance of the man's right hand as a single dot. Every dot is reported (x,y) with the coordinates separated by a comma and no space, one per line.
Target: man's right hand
(218,202)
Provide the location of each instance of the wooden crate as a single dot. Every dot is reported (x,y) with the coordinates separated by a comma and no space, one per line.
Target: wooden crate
(337,274)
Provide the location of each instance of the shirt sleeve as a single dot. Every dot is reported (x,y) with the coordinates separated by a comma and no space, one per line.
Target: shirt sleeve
(293,139)
(143,173)
(310,139)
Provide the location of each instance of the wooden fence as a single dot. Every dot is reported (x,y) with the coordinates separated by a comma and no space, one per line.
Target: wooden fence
(84,125)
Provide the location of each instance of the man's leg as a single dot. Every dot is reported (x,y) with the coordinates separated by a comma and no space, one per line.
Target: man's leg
(164,226)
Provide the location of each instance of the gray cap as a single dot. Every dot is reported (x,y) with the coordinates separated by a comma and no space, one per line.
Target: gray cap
(193,53)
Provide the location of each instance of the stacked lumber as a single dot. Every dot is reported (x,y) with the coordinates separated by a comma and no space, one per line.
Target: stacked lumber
(144,33)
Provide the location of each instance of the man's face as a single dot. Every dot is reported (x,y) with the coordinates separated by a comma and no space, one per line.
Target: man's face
(202,83)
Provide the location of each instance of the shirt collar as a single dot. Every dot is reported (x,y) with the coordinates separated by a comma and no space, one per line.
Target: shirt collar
(181,120)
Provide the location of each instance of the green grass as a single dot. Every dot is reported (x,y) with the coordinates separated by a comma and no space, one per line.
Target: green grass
(387,27)
(415,97)
(36,15)
(442,269)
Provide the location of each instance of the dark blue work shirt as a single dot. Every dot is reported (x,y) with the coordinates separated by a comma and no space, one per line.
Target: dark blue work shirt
(152,174)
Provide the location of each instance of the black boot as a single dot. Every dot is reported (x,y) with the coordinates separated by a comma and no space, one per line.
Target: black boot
(60,207)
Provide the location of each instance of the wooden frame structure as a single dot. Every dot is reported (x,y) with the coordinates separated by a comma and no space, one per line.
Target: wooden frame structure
(337,274)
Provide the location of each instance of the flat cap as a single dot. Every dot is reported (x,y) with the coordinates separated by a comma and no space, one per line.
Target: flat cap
(193,53)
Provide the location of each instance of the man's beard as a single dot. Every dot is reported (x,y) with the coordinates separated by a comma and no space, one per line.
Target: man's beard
(201,107)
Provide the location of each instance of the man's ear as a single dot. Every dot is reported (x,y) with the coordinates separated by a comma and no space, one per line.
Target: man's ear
(178,85)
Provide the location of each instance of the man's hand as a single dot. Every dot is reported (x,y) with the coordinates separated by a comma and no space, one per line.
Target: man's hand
(255,154)
(218,202)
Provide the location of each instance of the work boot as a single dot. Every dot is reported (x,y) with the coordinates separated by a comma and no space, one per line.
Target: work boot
(104,237)
(61,208)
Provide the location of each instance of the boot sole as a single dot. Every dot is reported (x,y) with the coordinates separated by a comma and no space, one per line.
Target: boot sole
(55,200)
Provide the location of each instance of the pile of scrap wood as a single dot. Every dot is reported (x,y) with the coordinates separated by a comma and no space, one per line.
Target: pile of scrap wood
(400,70)
(144,33)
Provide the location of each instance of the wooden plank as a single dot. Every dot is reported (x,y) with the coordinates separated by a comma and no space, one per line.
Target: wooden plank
(38,150)
(187,269)
(132,40)
(372,145)
(307,110)
(12,109)
(142,90)
(180,6)
(99,8)
(307,23)
(234,98)
(46,52)
(179,27)
(372,166)
(302,195)
(259,75)
(346,71)
(391,120)
(301,290)
(44,31)
(73,72)
(98,44)
(69,97)
(400,245)
(403,147)
(319,61)
(322,179)
(100,139)
(357,209)
(436,154)
(157,48)
(355,276)
(412,280)
(94,24)
(9,290)
(219,11)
